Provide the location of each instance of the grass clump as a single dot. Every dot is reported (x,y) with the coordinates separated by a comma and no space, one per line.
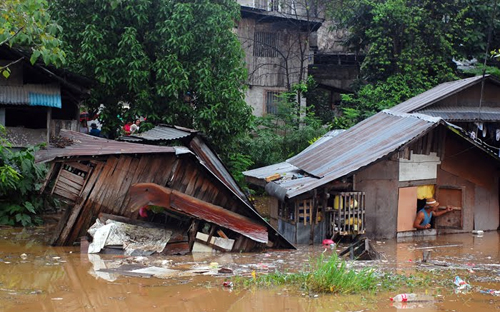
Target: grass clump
(324,275)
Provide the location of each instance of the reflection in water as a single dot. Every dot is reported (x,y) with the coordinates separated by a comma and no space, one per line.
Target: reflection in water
(60,279)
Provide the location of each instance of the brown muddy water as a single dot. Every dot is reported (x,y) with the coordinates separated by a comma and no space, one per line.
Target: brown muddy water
(36,277)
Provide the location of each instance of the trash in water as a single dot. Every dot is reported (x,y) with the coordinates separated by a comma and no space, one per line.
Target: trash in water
(490,292)
(460,283)
(412,298)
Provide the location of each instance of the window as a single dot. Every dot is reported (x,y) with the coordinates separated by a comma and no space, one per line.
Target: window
(272,101)
(265,44)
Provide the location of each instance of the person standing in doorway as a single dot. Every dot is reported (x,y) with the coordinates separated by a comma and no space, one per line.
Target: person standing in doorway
(424,215)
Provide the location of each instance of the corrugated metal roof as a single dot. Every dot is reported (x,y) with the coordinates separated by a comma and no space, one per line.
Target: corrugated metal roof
(361,145)
(80,144)
(437,93)
(160,133)
(464,113)
(263,172)
(31,94)
(285,168)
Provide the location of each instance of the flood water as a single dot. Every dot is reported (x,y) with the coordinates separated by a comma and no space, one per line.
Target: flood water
(36,277)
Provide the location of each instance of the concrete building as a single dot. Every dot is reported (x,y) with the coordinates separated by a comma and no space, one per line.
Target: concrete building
(279,41)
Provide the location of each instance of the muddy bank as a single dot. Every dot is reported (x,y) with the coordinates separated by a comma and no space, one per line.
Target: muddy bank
(34,277)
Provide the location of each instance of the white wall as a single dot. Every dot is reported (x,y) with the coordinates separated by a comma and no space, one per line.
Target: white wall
(419,167)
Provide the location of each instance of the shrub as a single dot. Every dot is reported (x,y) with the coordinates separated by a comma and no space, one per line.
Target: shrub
(20,182)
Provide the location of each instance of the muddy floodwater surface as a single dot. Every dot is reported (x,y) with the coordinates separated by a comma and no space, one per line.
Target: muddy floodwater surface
(37,277)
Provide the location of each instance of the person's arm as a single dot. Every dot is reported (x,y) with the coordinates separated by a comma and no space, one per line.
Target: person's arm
(418,220)
(442,212)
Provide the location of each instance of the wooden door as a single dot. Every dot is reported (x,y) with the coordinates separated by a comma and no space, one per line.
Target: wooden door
(452,196)
(407,208)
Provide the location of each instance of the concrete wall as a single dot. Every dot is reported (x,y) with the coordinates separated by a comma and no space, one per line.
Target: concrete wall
(380,184)
(272,73)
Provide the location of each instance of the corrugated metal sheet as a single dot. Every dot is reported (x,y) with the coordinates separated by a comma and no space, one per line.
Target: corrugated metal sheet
(361,145)
(160,133)
(31,94)
(285,168)
(484,114)
(282,168)
(437,93)
(80,144)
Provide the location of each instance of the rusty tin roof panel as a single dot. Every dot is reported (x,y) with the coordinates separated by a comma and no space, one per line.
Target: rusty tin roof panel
(464,113)
(362,145)
(437,93)
(79,144)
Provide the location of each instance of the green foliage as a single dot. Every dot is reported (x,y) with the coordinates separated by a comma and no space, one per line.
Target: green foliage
(279,136)
(150,54)
(331,275)
(238,163)
(375,97)
(409,47)
(28,24)
(20,181)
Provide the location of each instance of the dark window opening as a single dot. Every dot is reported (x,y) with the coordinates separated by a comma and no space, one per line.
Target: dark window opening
(27,117)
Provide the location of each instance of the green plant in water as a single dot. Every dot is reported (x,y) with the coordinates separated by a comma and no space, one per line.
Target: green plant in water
(335,276)
(328,276)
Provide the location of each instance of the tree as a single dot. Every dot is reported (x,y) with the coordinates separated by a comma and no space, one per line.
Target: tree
(176,62)
(279,136)
(410,46)
(27,24)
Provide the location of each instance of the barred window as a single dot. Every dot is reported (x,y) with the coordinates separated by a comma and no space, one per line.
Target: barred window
(265,44)
(272,101)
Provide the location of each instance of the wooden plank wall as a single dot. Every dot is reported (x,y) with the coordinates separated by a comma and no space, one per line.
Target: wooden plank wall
(107,190)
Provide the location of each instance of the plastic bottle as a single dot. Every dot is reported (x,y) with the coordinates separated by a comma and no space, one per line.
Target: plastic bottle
(405,298)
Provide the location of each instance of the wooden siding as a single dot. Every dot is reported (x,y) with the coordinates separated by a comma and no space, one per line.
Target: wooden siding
(107,191)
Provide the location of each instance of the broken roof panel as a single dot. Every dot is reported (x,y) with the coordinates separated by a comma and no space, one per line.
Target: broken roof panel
(88,145)
(438,93)
(209,159)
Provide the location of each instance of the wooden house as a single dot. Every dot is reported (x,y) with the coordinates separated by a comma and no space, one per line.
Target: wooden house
(37,101)
(95,175)
(373,177)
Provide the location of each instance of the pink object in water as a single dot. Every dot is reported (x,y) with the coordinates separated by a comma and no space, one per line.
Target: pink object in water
(143,212)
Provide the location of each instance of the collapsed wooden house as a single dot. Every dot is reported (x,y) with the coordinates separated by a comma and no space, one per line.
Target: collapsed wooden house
(94,175)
